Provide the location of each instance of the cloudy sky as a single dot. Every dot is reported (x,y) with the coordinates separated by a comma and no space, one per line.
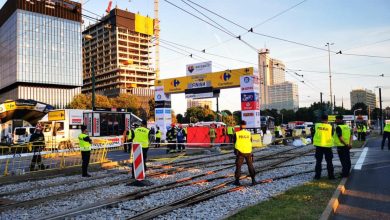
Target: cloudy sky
(354,26)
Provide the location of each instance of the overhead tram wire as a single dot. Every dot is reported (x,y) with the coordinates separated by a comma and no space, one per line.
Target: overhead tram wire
(286,40)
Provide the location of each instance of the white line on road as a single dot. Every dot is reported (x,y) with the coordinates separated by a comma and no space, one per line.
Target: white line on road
(359,163)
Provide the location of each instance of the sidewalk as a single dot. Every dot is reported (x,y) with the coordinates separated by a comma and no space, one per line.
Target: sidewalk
(367,194)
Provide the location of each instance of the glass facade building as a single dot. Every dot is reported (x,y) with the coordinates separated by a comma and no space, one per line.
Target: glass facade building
(40,51)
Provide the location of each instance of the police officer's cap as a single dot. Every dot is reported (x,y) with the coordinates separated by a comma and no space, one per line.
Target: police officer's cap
(144,122)
(83,127)
(324,117)
(339,117)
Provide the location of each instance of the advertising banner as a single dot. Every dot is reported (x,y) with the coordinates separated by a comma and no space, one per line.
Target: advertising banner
(200,95)
(250,84)
(250,105)
(199,68)
(96,124)
(252,118)
(160,95)
(250,97)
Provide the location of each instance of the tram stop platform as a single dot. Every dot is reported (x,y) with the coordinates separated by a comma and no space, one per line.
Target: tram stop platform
(367,190)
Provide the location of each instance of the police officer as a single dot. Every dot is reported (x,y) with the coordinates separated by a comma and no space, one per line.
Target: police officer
(278,132)
(85,144)
(323,142)
(38,144)
(212,134)
(158,137)
(243,150)
(342,140)
(386,134)
(230,132)
(142,136)
(130,137)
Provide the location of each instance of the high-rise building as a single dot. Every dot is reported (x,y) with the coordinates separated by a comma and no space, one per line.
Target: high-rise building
(275,92)
(283,96)
(199,103)
(363,96)
(40,51)
(118,52)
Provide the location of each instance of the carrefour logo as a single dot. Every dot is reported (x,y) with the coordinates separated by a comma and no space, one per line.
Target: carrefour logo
(175,83)
(226,76)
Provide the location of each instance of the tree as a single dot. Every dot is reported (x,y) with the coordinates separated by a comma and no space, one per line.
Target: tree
(125,100)
(102,102)
(152,107)
(229,120)
(288,115)
(362,106)
(237,117)
(79,101)
(227,112)
(194,114)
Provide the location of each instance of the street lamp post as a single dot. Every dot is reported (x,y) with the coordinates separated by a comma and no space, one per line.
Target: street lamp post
(330,77)
(88,37)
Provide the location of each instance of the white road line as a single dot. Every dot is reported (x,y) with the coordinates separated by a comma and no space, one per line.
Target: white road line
(359,163)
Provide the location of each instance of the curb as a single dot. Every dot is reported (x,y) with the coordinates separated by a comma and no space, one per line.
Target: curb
(333,203)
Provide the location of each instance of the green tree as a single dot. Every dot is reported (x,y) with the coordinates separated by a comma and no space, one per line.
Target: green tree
(288,115)
(152,107)
(180,118)
(125,100)
(237,117)
(362,106)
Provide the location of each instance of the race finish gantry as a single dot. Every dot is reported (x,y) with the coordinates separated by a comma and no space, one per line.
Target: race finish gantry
(208,86)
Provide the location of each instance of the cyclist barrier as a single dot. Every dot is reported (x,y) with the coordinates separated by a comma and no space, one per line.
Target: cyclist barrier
(21,159)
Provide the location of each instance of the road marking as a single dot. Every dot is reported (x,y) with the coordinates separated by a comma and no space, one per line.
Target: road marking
(359,163)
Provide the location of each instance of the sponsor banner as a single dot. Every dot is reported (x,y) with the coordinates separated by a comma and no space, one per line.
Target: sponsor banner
(127,121)
(39,107)
(250,105)
(249,84)
(96,124)
(199,68)
(162,104)
(250,97)
(252,118)
(76,120)
(159,94)
(159,111)
(88,122)
(332,118)
(200,95)
(199,84)
(219,80)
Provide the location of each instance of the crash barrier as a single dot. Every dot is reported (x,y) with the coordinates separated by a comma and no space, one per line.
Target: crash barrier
(22,159)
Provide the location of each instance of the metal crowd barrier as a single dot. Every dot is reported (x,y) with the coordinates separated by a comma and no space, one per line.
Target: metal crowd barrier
(19,159)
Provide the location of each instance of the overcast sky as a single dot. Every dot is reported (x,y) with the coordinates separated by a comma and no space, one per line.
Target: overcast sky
(354,26)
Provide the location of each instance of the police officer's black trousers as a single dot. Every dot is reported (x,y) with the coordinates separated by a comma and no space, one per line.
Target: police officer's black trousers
(345,160)
(158,140)
(85,155)
(36,160)
(320,152)
(240,160)
(386,135)
(180,145)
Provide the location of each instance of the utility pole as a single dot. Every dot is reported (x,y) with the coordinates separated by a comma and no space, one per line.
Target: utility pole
(157,36)
(334,101)
(380,109)
(321,97)
(330,77)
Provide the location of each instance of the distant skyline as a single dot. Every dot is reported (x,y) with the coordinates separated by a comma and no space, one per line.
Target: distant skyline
(356,27)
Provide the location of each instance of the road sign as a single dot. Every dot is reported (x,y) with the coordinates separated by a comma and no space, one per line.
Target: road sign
(138,163)
(56,115)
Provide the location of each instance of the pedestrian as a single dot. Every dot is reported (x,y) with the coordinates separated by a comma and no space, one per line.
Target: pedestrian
(142,136)
(158,137)
(360,131)
(171,137)
(212,134)
(230,132)
(37,140)
(243,150)
(386,134)
(181,139)
(323,143)
(278,132)
(85,144)
(343,141)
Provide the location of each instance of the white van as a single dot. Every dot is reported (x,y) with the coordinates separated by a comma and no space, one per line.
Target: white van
(21,135)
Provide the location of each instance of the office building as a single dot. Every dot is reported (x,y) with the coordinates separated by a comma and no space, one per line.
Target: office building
(365,96)
(283,96)
(199,103)
(275,92)
(117,50)
(40,51)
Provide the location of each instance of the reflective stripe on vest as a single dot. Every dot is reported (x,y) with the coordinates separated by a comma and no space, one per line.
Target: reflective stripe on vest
(387,128)
(323,135)
(141,136)
(84,145)
(158,134)
(346,134)
(243,142)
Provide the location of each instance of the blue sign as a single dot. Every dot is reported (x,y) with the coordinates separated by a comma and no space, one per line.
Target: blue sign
(250,97)
(159,111)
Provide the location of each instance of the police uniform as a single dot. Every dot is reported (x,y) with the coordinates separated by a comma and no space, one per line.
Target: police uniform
(323,142)
(141,136)
(38,143)
(243,150)
(386,134)
(158,138)
(277,131)
(130,136)
(345,132)
(230,132)
(85,144)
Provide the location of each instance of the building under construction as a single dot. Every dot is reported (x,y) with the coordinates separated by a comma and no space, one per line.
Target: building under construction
(117,51)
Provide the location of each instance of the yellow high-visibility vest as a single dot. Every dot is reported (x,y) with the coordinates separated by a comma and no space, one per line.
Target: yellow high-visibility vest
(141,135)
(84,145)
(158,134)
(387,128)
(230,130)
(364,128)
(243,142)
(346,134)
(323,135)
(130,135)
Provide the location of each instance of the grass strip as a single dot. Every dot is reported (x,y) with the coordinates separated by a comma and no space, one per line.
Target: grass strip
(307,201)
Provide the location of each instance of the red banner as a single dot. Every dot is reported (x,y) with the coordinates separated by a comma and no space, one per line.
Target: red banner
(250,105)
(201,135)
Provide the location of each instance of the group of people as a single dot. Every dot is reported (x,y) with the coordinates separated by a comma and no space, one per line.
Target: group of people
(324,138)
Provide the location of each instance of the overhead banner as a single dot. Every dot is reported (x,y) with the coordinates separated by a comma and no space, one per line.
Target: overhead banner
(199,68)
(160,95)
(216,80)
